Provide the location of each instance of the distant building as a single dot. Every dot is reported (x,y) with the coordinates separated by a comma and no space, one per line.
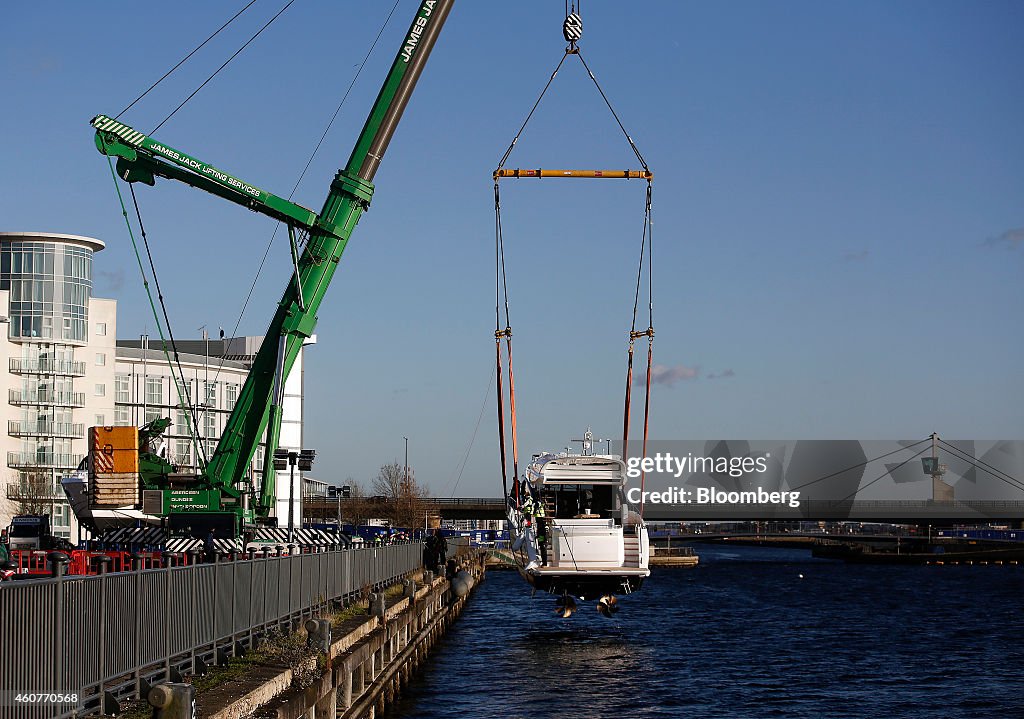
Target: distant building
(62,371)
(214,370)
(314,487)
(56,367)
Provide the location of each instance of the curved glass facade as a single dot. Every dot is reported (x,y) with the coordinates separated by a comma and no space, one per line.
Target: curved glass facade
(50,285)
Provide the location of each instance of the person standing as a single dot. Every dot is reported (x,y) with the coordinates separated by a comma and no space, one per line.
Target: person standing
(540,524)
(440,548)
(210,547)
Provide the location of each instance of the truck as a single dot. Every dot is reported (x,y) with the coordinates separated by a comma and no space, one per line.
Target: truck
(123,471)
(30,532)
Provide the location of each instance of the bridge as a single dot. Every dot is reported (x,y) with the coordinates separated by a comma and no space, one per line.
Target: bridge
(880,511)
(458,508)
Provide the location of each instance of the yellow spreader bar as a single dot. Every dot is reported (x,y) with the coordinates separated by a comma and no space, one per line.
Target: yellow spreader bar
(597,174)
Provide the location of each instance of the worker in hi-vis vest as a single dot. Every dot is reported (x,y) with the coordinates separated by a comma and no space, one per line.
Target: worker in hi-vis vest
(530,508)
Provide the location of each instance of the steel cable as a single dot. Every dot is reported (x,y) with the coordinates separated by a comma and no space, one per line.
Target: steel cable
(235,54)
(185,401)
(982,465)
(185,59)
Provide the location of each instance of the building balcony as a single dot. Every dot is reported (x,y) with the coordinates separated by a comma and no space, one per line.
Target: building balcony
(37,460)
(57,399)
(25,492)
(64,430)
(62,368)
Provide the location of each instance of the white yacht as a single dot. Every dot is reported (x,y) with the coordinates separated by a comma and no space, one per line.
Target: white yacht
(595,543)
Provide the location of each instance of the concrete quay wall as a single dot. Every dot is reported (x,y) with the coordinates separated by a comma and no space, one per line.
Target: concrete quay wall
(367,667)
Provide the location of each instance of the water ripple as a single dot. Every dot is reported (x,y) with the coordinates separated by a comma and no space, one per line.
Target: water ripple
(741,636)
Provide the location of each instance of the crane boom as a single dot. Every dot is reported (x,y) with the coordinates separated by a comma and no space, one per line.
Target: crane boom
(258,408)
(141,158)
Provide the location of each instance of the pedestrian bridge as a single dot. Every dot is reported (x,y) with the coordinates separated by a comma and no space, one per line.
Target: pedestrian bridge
(882,511)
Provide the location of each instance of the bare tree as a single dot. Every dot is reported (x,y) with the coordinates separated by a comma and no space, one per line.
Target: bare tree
(405,499)
(357,509)
(33,491)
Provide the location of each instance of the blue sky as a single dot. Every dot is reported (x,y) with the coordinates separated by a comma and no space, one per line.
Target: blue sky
(839,211)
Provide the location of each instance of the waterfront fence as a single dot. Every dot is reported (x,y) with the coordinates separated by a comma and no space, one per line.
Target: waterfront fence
(111,636)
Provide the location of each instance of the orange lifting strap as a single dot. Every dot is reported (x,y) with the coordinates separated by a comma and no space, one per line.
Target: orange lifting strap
(634,334)
(507,334)
(571,31)
(501,417)
(593,174)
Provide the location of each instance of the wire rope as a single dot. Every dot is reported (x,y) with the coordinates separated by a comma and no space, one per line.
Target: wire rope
(185,59)
(142,271)
(235,54)
(884,474)
(305,169)
(982,465)
(185,402)
(861,464)
(472,439)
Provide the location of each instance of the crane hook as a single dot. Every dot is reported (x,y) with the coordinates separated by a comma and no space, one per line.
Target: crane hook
(572,28)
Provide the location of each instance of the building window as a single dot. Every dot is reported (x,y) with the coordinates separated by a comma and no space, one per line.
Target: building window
(101,420)
(183,452)
(152,413)
(101,390)
(101,329)
(121,417)
(210,394)
(181,422)
(121,392)
(182,389)
(210,426)
(154,390)
(230,395)
(61,520)
(101,359)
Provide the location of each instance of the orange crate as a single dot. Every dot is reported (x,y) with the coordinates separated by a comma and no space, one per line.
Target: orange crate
(114,450)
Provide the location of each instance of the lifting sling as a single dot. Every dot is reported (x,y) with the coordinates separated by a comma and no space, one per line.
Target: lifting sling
(571,30)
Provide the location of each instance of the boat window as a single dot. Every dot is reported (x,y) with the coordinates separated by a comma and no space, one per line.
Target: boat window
(583,501)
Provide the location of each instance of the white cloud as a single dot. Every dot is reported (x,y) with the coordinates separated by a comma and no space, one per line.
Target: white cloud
(662,374)
(1011,239)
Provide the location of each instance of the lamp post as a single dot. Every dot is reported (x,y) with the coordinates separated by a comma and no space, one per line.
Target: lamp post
(346,492)
(287,459)
(405,487)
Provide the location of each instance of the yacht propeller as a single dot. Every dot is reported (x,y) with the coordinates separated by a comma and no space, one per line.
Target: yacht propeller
(565,605)
(608,605)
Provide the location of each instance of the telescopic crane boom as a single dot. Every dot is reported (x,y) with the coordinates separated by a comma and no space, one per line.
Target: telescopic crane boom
(140,158)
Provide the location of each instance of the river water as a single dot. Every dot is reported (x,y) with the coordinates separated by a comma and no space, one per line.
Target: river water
(742,635)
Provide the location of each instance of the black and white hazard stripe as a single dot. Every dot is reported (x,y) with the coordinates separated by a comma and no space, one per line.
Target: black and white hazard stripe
(572,28)
(130,136)
(153,537)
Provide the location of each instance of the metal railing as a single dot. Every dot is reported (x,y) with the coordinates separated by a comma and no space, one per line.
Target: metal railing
(27,492)
(71,430)
(61,399)
(67,368)
(110,636)
(32,460)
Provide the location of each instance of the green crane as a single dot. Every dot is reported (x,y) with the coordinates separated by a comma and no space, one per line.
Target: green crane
(215,498)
